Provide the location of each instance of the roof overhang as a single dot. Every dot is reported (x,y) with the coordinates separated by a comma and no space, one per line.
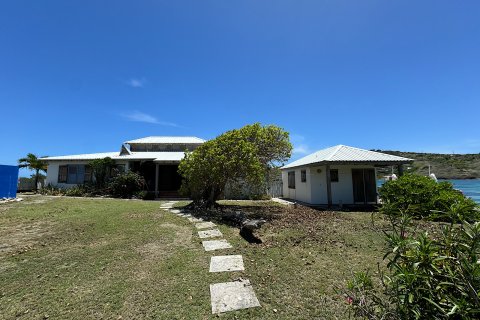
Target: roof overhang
(359,163)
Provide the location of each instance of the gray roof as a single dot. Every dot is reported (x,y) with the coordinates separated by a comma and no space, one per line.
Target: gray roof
(86,156)
(164,156)
(345,154)
(168,140)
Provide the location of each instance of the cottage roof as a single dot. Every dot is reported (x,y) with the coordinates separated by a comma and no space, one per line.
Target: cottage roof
(345,154)
(167,140)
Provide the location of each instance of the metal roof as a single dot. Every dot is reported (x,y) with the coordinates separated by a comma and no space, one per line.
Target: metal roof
(87,156)
(164,139)
(155,156)
(346,154)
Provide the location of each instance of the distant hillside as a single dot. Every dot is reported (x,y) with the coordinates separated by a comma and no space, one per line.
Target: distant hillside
(445,166)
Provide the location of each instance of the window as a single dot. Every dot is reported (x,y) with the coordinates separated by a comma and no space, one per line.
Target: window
(291,180)
(62,174)
(75,174)
(334,175)
(88,174)
(303,175)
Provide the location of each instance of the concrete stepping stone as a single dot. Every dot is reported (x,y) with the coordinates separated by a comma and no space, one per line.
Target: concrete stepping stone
(230,296)
(210,245)
(195,220)
(209,233)
(226,263)
(175,211)
(205,225)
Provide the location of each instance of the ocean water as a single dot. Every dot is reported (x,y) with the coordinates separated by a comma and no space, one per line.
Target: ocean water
(469,187)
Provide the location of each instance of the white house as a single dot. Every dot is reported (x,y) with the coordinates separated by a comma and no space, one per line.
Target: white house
(155,158)
(339,175)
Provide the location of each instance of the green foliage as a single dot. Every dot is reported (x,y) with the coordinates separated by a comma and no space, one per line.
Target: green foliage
(428,277)
(51,190)
(78,191)
(241,155)
(32,162)
(101,169)
(422,197)
(126,185)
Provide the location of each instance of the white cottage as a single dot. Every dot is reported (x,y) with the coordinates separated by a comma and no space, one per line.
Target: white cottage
(339,175)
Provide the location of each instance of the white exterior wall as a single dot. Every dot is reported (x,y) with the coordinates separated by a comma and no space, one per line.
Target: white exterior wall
(314,191)
(302,191)
(52,172)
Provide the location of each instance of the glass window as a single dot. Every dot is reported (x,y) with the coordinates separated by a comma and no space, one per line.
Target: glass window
(303,175)
(62,174)
(291,180)
(334,175)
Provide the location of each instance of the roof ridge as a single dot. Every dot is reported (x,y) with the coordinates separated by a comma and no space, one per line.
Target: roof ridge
(337,148)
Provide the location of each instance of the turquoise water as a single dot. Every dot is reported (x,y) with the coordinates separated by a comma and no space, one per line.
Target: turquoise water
(470,187)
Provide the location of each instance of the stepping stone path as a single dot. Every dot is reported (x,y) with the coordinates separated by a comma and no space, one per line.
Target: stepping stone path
(195,220)
(205,225)
(228,296)
(211,245)
(209,233)
(226,263)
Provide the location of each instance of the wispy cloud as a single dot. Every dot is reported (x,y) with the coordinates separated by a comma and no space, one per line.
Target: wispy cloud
(136,82)
(301,149)
(138,116)
(299,145)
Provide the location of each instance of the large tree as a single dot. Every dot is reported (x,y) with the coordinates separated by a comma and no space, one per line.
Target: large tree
(32,162)
(246,154)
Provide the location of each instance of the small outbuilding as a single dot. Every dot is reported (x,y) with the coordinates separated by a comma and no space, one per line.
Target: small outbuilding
(8,181)
(339,175)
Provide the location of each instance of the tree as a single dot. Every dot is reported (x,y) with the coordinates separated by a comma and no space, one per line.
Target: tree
(246,154)
(101,169)
(32,162)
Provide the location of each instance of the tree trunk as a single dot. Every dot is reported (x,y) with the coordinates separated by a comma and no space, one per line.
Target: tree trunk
(36,180)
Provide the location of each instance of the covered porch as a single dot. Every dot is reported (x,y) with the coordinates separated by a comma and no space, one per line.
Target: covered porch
(162,177)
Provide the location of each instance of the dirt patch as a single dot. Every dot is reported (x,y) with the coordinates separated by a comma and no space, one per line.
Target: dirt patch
(22,237)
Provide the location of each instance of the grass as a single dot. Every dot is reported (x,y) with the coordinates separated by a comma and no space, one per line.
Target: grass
(104,259)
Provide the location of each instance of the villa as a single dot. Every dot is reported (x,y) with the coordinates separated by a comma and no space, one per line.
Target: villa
(339,175)
(155,158)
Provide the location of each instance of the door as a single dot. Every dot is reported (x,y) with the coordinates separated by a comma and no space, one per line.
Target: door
(364,186)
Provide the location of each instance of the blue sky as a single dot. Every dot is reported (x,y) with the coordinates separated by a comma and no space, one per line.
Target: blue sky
(84,76)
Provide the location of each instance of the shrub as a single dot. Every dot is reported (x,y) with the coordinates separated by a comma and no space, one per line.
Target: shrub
(51,190)
(423,197)
(125,185)
(77,191)
(428,277)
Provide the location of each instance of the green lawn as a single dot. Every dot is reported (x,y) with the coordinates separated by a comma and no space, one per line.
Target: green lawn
(105,259)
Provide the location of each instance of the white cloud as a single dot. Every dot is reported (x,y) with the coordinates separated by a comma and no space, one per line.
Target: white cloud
(301,149)
(299,145)
(138,116)
(136,82)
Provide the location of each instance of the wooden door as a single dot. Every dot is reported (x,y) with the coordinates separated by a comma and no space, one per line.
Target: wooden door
(364,186)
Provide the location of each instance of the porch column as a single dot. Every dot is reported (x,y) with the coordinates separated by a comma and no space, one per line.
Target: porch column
(156,180)
(329,185)
(400,169)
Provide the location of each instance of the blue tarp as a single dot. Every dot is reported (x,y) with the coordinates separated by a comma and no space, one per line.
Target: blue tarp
(8,181)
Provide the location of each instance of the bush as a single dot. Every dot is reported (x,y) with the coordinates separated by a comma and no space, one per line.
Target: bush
(51,190)
(423,197)
(125,185)
(427,278)
(77,191)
